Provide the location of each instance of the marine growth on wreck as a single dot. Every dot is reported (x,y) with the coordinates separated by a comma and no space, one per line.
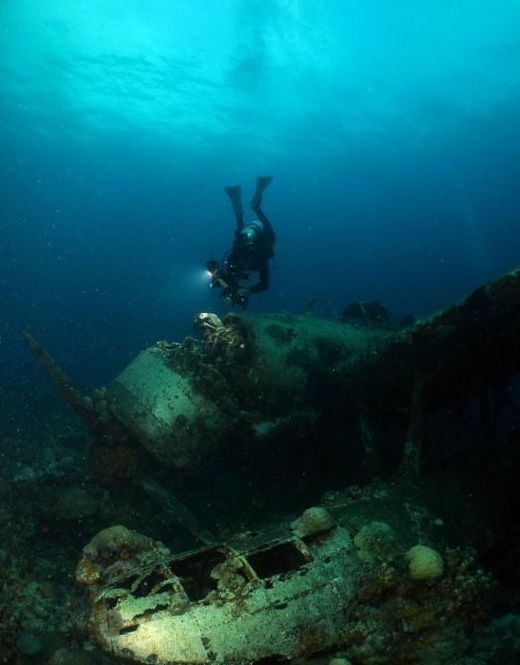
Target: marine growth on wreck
(259,332)
(384,568)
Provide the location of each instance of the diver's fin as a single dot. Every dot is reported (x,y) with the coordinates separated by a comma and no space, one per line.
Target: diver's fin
(262,182)
(235,195)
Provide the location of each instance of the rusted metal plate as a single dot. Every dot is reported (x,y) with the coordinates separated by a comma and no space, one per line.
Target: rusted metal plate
(283,599)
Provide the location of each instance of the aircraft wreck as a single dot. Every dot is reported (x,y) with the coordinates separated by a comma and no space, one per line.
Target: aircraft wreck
(368,578)
(273,377)
(291,592)
(238,602)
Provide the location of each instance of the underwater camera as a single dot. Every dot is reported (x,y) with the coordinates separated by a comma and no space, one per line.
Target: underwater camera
(232,295)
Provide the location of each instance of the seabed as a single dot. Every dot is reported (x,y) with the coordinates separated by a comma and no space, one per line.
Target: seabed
(277,488)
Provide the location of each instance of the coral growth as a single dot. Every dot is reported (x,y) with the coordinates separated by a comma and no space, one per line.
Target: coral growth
(313,521)
(424,563)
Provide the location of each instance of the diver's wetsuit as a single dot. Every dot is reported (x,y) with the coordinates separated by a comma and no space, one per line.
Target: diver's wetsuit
(245,257)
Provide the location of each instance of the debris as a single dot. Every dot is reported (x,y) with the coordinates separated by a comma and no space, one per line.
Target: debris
(273,596)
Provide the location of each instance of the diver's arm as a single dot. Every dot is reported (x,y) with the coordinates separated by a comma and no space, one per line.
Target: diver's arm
(263,284)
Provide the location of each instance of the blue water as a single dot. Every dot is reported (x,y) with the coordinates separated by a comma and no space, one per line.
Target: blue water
(391,130)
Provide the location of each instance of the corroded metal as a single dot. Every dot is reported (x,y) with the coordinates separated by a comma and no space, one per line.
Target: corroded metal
(272,377)
(164,410)
(236,603)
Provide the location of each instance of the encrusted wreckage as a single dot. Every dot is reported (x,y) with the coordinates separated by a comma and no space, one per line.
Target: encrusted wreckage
(239,602)
(287,593)
(272,377)
(378,590)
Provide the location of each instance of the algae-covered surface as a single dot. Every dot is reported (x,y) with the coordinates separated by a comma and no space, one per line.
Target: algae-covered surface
(296,537)
(259,332)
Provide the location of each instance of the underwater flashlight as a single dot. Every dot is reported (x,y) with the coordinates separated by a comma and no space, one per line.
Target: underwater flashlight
(213,272)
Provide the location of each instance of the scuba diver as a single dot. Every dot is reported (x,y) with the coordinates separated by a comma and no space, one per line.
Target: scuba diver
(252,248)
